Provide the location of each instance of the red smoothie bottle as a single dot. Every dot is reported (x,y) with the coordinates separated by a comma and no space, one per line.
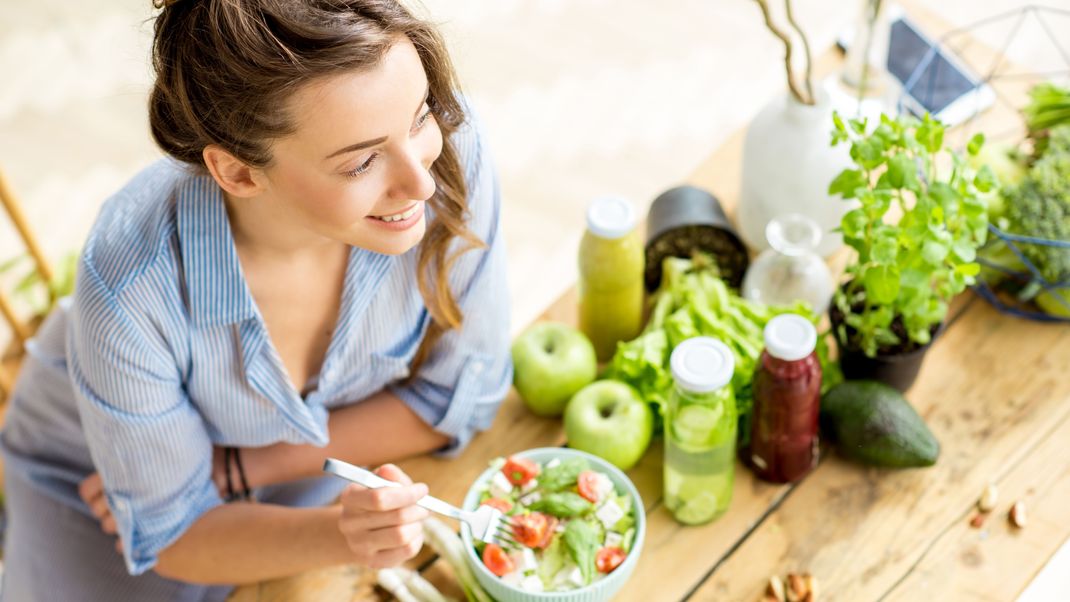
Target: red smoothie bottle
(787,398)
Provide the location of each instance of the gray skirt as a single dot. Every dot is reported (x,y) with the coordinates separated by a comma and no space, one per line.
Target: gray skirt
(56,553)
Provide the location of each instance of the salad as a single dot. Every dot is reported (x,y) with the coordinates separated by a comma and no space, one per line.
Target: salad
(572,526)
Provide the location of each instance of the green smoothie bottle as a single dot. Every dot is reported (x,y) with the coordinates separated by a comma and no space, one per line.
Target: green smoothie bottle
(611,276)
(700,431)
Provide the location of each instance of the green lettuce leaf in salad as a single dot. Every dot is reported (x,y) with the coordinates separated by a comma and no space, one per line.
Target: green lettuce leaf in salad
(562,476)
(565,504)
(554,559)
(583,540)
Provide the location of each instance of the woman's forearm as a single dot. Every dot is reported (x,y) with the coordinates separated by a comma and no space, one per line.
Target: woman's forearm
(377,430)
(246,543)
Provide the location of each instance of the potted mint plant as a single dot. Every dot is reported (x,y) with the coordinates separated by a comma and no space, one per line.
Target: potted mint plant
(915,232)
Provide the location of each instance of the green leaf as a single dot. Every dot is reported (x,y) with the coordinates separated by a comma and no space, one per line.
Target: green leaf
(583,541)
(854,223)
(885,247)
(963,250)
(930,134)
(968,269)
(868,152)
(563,475)
(985,180)
(859,125)
(903,173)
(934,252)
(565,504)
(847,183)
(882,284)
(553,560)
(974,145)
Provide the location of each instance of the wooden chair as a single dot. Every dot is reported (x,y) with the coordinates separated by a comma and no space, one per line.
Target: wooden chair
(21,329)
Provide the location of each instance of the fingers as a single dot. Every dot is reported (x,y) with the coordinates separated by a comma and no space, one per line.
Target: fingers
(91,488)
(396,556)
(109,525)
(356,499)
(380,520)
(391,472)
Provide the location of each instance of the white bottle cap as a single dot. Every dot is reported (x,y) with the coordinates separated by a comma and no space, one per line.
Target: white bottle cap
(702,364)
(790,337)
(610,217)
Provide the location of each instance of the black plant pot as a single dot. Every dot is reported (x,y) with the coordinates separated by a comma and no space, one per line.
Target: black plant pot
(898,370)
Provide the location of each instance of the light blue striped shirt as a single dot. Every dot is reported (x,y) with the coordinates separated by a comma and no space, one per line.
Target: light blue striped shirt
(162,353)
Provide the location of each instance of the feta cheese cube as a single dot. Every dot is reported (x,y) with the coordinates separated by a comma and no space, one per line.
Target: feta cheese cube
(609,513)
(524,560)
(513,579)
(500,485)
(560,528)
(603,487)
(553,463)
(527,487)
(530,498)
(531,584)
(575,577)
(614,540)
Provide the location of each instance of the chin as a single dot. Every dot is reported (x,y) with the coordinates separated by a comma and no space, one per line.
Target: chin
(393,243)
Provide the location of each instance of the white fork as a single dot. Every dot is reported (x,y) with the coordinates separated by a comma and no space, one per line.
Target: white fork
(486,522)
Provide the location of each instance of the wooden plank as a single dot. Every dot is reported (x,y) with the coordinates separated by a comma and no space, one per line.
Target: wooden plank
(990,390)
(995,562)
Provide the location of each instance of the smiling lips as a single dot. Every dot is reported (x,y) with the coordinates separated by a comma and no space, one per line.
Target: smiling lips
(400,221)
(397,217)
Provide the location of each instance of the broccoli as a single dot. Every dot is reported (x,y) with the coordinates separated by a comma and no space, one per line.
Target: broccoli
(1039,206)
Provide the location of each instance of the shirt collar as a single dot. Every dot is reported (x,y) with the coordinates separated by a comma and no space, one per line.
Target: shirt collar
(218,293)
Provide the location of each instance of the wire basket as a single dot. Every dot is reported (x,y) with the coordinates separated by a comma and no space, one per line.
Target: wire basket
(1010,286)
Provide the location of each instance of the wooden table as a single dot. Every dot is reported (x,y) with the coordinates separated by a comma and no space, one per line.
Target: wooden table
(993,389)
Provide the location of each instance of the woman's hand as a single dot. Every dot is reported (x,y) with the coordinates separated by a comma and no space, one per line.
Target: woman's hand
(383,527)
(92,492)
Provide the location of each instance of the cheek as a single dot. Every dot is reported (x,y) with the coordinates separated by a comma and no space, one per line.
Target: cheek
(333,201)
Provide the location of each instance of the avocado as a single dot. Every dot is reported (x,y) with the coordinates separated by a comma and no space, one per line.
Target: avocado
(872,423)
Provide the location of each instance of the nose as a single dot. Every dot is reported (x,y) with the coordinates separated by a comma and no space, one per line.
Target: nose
(412,178)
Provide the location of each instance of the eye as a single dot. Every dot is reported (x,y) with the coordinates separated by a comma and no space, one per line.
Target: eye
(363,167)
(421,120)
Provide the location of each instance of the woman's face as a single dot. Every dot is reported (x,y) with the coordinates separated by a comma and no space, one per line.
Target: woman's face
(356,170)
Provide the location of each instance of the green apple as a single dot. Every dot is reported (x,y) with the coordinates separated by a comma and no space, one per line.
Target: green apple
(610,420)
(551,361)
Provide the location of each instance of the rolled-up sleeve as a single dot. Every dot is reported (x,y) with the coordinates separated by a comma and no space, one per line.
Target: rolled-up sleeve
(146,439)
(460,387)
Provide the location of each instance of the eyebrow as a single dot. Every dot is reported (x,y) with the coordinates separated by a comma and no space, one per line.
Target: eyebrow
(382,139)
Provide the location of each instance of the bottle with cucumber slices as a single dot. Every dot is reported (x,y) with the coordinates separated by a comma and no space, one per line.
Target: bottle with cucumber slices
(700,431)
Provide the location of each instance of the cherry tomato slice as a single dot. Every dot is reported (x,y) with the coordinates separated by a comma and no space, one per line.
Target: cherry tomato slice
(546,539)
(587,484)
(609,559)
(499,503)
(497,560)
(520,470)
(531,529)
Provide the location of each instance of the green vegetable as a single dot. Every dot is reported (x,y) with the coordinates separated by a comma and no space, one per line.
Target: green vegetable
(628,520)
(565,504)
(1049,107)
(563,475)
(873,424)
(906,270)
(583,541)
(1040,207)
(448,545)
(554,558)
(629,539)
(693,301)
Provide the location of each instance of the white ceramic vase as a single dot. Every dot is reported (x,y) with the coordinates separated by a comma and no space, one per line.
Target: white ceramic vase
(787,166)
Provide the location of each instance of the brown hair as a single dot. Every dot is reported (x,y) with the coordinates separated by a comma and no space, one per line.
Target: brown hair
(224,66)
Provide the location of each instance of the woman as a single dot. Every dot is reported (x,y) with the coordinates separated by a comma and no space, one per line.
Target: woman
(316,270)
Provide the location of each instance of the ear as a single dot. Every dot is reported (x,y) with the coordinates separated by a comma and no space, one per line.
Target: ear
(231,173)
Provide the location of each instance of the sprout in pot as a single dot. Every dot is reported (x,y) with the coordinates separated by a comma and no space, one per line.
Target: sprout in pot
(907,269)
